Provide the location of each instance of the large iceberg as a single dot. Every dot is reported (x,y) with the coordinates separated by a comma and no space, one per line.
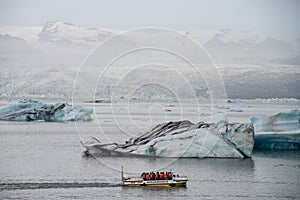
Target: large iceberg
(183,139)
(280,131)
(31,110)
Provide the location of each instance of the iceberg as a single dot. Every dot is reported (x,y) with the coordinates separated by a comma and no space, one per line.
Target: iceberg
(31,110)
(182,139)
(280,131)
(236,110)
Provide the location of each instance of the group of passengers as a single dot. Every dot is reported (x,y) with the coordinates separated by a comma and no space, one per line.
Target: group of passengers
(157,176)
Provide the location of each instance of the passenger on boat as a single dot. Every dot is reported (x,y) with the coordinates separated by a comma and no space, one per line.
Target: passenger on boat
(166,176)
(143,176)
(157,176)
(152,176)
(161,175)
(170,175)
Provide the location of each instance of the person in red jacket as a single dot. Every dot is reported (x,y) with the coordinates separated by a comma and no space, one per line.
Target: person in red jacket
(143,176)
(151,175)
(157,176)
(161,175)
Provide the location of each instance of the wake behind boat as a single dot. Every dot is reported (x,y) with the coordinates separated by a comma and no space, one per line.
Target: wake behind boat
(164,179)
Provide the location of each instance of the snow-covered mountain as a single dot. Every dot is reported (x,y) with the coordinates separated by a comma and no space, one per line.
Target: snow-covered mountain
(227,43)
(53,53)
(14,45)
(26,33)
(55,42)
(63,33)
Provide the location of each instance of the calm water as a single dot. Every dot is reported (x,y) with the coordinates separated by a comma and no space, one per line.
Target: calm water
(44,161)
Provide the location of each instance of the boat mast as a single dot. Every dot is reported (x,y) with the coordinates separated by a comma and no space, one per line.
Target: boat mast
(122,176)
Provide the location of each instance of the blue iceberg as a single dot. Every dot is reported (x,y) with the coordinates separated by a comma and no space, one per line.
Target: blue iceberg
(280,131)
(236,110)
(31,110)
(182,139)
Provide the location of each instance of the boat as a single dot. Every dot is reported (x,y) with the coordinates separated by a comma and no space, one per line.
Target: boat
(172,180)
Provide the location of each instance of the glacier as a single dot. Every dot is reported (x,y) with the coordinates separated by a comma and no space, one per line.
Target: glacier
(280,131)
(182,139)
(31,110)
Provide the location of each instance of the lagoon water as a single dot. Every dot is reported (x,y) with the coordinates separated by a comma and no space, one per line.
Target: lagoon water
(42,160)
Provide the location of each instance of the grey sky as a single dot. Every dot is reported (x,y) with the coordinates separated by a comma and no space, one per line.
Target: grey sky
(279,18)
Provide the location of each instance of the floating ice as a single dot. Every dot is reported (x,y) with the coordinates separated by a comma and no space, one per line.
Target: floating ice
(280,131)
(184,139)
(236,110)
(30,110)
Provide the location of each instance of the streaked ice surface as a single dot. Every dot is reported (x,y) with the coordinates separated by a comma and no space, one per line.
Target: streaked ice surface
(280,131)
(183,139)
(31,110)
(44,160)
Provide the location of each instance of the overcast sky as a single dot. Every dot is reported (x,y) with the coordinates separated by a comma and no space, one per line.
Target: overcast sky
(279,18)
